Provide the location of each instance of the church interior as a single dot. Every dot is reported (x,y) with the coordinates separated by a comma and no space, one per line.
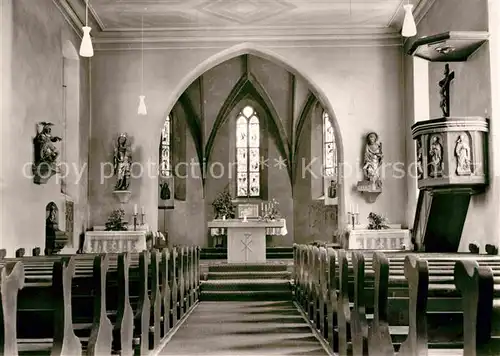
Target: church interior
(331,166)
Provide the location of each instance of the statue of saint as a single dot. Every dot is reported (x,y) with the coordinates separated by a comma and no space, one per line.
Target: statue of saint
(372,158)
(420,168)
(122,162)
(462,154)
(436,158)
(45,151)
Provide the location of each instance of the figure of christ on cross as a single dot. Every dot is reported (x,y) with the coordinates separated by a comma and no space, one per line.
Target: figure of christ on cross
(445,90)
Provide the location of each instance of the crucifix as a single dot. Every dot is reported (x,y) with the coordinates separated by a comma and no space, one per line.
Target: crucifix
(445,90)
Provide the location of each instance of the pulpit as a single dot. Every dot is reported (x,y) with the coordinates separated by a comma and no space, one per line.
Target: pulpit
(246,240)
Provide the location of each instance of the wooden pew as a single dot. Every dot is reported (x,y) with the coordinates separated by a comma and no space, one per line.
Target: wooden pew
(423,281)
(481,307)
(87,284)
(356,319)
(44,313)
(11,281)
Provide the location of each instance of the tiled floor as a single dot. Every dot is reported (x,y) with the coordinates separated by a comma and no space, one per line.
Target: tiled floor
(244,329)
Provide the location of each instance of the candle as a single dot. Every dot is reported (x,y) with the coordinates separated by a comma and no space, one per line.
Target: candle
(142,209)
(357,209)
(135,209)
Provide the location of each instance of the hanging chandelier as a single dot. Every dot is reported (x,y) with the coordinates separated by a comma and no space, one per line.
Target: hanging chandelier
(409,26)
(86,49)
(142,110)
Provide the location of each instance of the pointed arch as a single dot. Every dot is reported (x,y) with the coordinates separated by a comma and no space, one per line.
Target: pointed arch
(249,86)
(268,54)
(310,103)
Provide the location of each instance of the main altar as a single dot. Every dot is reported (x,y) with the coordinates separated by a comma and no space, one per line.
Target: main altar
(246,239)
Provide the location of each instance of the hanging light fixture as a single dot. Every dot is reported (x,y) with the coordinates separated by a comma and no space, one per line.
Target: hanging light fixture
(142,110)
(86,49)
(409,26)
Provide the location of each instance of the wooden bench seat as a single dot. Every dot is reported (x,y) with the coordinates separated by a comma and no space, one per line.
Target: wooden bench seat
(345,303)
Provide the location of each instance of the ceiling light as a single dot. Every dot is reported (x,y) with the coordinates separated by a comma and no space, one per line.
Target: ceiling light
(409,26)
(142,110)
(86,49)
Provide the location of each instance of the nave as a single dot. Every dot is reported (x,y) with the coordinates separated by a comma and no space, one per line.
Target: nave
(329,302)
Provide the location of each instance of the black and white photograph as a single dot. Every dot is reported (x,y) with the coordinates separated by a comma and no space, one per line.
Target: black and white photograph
(250,177)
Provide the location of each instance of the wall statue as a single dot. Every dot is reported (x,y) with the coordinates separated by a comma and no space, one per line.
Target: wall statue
(373,159)
(420,164)
(45,152)
(462,155)
(122,162)
(55,239)
(435,157)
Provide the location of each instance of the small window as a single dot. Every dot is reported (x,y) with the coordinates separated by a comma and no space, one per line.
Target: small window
(329,148)
(165,149)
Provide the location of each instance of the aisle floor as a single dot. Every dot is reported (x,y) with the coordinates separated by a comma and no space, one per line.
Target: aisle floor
(244,329)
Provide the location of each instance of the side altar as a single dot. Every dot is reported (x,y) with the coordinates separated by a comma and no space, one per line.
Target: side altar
(393,238)
(101,241)
(246,239)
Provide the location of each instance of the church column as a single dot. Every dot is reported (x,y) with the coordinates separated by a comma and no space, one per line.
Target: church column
(416,108)
(492,224)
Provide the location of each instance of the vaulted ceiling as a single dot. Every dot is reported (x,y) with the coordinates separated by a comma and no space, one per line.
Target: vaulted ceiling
(200,18)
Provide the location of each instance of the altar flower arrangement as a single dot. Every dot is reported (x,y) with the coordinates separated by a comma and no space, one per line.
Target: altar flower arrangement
(223,205)
(115,221)
(377,222)
(271,211)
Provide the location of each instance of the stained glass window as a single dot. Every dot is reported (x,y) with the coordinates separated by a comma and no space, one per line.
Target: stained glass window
(329,148)
(165,149)
(248,153)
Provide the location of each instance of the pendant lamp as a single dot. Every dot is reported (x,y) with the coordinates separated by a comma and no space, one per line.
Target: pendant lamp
(142,110)
(409,26)
(86,49)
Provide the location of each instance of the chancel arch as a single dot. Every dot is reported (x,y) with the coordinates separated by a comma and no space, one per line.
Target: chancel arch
(244,92)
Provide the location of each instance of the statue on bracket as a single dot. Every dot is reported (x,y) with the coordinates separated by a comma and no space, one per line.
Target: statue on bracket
(435,157)
(45,152)
(462,154)
(372,161)
(122,162)
(445,90)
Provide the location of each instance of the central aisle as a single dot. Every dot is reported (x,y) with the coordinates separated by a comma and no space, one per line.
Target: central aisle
(244,328)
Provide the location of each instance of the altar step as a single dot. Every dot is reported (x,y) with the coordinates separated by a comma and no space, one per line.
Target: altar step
(253,282)
(213,253)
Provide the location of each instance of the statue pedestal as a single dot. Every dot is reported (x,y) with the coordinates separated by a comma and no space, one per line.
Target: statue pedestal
(123,195)
(371,190)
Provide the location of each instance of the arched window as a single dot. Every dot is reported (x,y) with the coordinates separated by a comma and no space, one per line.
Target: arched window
(165,149)
(329,148)
(248,153)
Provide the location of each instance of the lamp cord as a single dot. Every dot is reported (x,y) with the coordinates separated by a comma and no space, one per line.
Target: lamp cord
(86,12)
(142,54)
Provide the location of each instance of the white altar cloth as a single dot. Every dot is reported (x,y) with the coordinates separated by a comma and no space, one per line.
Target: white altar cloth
(270,230)
(114,241)
(385,239)
(246,241)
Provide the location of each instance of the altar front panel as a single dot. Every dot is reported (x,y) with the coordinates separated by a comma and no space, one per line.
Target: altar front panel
(114,241)
(246,245)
